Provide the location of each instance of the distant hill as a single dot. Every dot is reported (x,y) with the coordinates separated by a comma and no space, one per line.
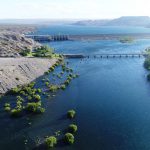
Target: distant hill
(143,21)
(131,21)
(92,22)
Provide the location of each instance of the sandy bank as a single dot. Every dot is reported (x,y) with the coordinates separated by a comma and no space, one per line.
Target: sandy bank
(19,71)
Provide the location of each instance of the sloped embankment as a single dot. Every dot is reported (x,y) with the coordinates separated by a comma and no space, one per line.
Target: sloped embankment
(20,71)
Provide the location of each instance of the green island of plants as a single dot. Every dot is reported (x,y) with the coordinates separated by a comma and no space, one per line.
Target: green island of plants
(7,107)
(72,128)
(147,62)
(27,100)
(51,141)
(71,114)
(69,138)
(126,40)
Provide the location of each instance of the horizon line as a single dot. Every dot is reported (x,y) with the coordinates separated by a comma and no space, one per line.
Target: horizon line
(67,18)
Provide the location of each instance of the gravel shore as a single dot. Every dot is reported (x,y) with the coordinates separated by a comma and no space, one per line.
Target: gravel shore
(20,71)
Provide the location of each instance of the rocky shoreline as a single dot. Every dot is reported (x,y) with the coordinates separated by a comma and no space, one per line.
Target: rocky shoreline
(20,71)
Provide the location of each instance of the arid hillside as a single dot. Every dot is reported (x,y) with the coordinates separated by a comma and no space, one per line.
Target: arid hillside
(13,41)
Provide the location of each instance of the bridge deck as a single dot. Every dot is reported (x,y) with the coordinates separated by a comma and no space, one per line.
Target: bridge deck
(105,55)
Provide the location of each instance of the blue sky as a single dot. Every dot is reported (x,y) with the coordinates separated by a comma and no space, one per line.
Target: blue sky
(73,9)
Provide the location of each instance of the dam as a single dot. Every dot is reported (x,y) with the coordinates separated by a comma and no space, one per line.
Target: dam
(87,37)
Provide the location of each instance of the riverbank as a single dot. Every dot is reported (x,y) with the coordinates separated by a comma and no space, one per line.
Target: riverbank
(20,71)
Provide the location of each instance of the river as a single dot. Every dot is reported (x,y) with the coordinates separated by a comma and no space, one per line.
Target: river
(111,98)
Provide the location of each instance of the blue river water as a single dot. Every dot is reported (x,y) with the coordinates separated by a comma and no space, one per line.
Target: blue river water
(111,98)
(73,30)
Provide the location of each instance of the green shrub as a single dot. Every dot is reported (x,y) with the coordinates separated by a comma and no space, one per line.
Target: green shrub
(29,90)
(53,88)
(126,40)
(69,78)
(58,76)
(32,84)
(29,98)
(67,82)
(6,105)
(47,83)
(16,112)
(69,138)
(43,51)
(52,68)
(37,97)
(19,102)
(147,63)
(71,114)
(19,98)
(15,90)
(39,90)
(35,107)
(63,87)
(25,52)
(72,128)
(47,72)
(7,109)
(148,77)
(51,141)
(22,93)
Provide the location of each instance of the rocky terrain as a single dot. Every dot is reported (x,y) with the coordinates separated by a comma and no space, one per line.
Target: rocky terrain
(13,41)
(20,71)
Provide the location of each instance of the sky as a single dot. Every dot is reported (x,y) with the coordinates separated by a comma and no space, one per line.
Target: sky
(72,9)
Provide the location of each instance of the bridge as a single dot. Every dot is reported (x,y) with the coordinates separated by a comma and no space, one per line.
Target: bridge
(107,55)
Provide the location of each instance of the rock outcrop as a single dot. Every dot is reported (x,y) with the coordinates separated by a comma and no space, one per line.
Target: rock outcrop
(11,44)
(13,41)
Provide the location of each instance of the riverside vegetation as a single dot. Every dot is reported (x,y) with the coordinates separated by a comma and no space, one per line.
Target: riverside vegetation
(28,98)
(147,63)
(42,51)
(126,40)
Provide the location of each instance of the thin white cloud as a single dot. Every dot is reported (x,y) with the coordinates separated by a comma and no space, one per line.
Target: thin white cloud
(73,8)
